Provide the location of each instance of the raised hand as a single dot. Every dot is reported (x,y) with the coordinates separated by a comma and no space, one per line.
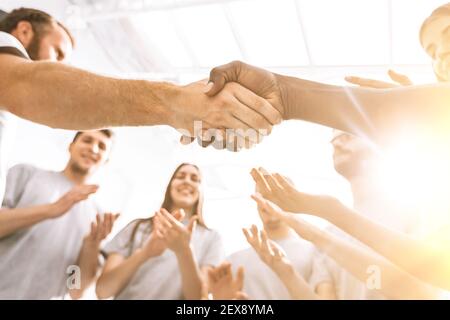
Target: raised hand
(399,80)
(68,200)
(223,286)
(301,227)
(101,227)
(268,251)
(279,190)
(175,235)
(156,245)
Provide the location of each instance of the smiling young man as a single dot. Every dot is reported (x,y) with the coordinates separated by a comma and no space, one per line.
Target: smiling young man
(49,225)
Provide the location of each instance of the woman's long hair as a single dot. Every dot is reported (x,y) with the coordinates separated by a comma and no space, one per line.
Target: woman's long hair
(168,205)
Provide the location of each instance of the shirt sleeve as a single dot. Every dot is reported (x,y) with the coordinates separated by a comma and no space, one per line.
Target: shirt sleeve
(16,181)
(10,45)
(121,243)
(215,251)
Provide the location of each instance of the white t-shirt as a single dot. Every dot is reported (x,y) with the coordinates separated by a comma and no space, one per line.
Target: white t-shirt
(8,45)
(260,282)
(159,278)
(34,260)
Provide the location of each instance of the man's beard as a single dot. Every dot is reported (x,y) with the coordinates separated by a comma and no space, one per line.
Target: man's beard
(78,169)
(35,46)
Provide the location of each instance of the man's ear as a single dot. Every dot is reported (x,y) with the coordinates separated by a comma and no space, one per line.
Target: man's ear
(24,33)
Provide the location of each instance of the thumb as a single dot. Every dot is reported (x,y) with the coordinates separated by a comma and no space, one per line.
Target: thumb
(219,76)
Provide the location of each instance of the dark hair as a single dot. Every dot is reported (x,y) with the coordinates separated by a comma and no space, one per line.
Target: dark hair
(38,19)
(168,205)
(106,132)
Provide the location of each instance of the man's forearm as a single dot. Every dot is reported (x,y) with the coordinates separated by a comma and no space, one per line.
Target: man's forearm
(60,96)
(112,281)
(373,113)
(88,263)
(190,275)
(12,220)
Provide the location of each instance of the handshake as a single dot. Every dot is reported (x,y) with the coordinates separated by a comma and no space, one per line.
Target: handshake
(234,110)
(241,103)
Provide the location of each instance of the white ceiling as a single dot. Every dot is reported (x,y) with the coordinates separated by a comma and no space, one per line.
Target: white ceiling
(182,39)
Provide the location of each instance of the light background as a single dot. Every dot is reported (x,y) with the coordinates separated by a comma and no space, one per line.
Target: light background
(180,41)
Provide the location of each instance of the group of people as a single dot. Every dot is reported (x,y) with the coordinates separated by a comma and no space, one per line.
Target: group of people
(52,229)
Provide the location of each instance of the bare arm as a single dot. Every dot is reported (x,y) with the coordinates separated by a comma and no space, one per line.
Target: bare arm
(373,113)
(191,276)
(178,239)
(61,96)
(12,220)
(117,272)
(428,261)
(298,288)
(395,282)
(90,251)
(274,257)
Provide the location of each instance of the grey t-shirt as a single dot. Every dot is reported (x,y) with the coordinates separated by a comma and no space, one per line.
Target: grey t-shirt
(159,278)
(260,282)
(34,261)
(8,45)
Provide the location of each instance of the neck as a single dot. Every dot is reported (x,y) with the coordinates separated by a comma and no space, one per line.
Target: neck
(75,177)
(278,233)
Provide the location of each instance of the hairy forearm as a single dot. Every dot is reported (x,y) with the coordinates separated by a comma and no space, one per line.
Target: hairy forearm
(190,274)
(12,220)
(88,263)
(113,280)
(428,263)
(366,266)
(373,113)
(60,96)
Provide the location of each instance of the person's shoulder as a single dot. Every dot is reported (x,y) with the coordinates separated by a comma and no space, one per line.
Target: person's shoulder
(11,45)
(209,233)
(240,254)
(24,169)
(136,225)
